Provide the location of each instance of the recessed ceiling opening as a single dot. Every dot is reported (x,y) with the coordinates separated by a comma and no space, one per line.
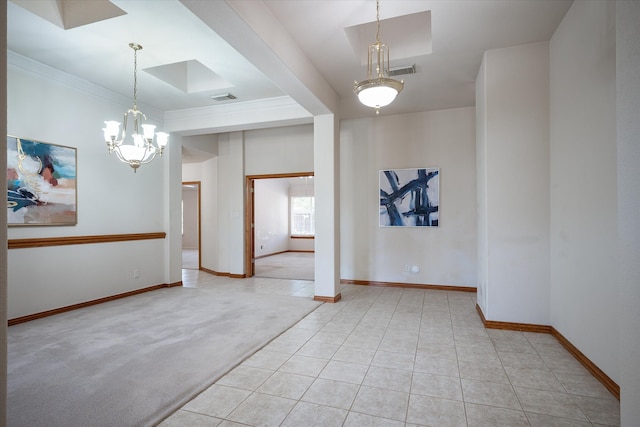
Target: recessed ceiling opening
(189,76)
(69,14)
(408,36)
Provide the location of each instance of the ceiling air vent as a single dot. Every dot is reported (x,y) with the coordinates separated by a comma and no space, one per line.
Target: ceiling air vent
(223,97)
(401,71)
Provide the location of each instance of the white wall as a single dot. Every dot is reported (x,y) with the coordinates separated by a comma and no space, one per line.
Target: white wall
(628,131)
(271,209)
(111,200)
(190,217)
(446,255)
(584,289)
(279,150)
(513,182)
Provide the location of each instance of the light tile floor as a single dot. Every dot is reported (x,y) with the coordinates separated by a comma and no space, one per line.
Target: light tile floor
(397,357)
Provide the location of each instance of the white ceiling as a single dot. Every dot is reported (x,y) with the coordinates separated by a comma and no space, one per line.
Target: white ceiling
(278,49)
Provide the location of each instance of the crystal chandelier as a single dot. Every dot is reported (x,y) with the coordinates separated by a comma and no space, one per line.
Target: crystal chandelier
(138,149)
(378,90)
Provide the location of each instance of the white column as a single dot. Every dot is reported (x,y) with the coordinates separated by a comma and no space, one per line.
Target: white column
(172,158)
(236,203)
(628,178)
(3,227)
(513,184)
(327,193)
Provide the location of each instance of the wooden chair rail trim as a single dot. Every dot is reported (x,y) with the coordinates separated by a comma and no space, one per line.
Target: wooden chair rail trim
(409,285)
(580,357)
(59,310)
(80,240)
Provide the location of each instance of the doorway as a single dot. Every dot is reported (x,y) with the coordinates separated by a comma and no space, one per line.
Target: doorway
(191,240)
(282,247)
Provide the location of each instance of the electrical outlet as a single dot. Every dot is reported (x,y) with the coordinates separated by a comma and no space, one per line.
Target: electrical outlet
(136,273)
(407,268)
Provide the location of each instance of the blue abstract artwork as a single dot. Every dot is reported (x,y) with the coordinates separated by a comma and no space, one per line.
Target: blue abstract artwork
(41,183)
(409,197)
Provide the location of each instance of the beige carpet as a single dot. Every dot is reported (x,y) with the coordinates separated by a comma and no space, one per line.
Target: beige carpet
(134,361)
(287,265)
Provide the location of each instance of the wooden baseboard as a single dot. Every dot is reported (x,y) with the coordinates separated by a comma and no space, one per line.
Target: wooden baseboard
(271,254)
(591,367)
(283,252)
(573,350)
(224,274)
(327,299)
(409,285)
(60,310)
(511,326)
(215,273)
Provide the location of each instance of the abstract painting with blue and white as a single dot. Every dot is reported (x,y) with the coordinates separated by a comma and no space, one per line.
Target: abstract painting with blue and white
(41,183)
(409,197)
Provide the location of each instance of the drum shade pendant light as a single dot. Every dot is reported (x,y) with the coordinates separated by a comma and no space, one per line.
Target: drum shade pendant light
(137,148)
(378,90)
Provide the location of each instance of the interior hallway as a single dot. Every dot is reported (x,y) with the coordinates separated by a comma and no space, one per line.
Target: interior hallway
(190,259)
(398,357)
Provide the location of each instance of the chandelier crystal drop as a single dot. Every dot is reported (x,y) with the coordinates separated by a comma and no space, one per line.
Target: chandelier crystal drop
(378,90)
(138,149)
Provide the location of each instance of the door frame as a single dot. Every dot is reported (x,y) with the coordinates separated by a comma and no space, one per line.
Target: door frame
(249,220)
(199,209)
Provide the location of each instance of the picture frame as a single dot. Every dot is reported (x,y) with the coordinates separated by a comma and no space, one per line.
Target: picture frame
(409,197)
(41,183)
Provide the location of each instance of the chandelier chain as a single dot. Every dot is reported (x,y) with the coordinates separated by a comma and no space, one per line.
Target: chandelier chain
(135,75)
(378,21)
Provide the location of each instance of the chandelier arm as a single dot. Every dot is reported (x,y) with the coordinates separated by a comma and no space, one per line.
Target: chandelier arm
(385,62)
(125,120)
(136,126)
(152,156)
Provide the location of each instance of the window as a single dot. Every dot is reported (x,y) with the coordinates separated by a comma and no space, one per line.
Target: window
(303,218)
